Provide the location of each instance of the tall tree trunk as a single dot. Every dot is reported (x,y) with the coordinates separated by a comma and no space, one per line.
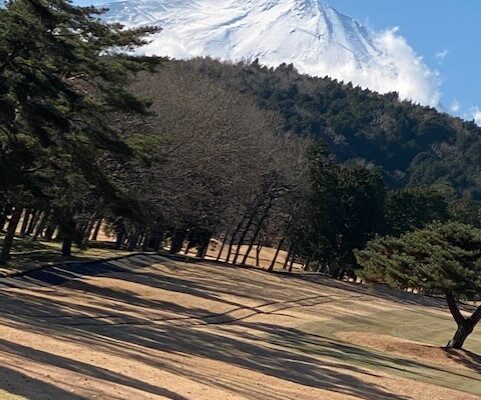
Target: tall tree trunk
(258,254)
(25,221)
(88,232)
(288,257)
(203,247)
(308,263)
(133,239)
(259,227)
(280,245)
(41,225)
(145,243)
(293,259)
(465,325)
(97,230)
(120,236)
(156,239)
(224,242)
(67,246)
(177,241)
(244,233)
(233,238)
(10,235)
(33,222)
(49,232)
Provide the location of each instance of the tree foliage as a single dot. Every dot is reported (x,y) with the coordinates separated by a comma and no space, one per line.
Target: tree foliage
(440,258)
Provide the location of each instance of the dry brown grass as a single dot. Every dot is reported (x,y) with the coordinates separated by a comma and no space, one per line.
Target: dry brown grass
(173,330)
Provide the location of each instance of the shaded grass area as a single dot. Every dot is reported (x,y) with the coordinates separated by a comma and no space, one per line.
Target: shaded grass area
(320,339)
(27,254)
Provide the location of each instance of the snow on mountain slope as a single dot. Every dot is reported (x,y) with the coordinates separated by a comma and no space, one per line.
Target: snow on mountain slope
(313,36)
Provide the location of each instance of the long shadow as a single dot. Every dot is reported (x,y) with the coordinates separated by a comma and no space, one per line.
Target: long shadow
(84,369)
(15,382)
(146,342)
(280,363)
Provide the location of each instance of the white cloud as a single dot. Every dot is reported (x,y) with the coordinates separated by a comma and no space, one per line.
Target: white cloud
(475,114)
(440,56)
(455,106)
(412,78)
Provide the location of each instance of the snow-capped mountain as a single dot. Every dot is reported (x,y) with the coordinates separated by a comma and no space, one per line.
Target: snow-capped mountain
(313,36)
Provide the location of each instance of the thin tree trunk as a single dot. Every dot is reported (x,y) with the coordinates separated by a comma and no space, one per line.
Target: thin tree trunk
(258,254)
(97,230)
(133,239)
(33,222)
(202,249)
(308,263)
(224,242)
(6,210)
(145,243)
(41,225)
(293,259)
(244,233)
(288,257)
(49,232)
(259,227)
(10,235)
(156,240)
(25,221)
(280,245)
(232,240)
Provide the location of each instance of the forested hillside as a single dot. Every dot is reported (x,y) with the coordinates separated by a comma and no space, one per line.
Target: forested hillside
(176,154)
(411,144)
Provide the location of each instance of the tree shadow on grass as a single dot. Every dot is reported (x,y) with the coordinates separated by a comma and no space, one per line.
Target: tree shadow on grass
(281,363)
(289,355)
(467,358)
(17,383)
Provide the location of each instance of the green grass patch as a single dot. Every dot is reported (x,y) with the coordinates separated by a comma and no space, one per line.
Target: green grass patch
(319,339)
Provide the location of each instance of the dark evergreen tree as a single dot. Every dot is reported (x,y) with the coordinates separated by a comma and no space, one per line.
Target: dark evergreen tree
(441,258)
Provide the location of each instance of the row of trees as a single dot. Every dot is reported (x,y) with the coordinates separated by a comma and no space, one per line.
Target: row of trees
(162,151)
(60,76)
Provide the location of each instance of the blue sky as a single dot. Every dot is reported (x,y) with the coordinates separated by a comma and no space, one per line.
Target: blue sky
(445,33)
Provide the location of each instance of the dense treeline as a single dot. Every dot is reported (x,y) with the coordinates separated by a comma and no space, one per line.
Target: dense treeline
(410,144)
(177,154)
(197,150)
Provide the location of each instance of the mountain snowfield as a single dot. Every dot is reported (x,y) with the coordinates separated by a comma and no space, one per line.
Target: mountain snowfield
(310,34)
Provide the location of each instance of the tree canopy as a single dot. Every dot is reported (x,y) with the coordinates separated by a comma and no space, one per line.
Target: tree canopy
(440,258)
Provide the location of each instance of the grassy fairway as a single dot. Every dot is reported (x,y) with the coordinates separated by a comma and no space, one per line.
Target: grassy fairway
(323,339)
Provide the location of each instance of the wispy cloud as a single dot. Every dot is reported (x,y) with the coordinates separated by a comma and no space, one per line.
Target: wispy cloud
(440,56)
(475,114)
(455,106)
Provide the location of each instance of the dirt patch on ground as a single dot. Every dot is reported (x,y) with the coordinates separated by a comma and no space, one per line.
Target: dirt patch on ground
(414,350)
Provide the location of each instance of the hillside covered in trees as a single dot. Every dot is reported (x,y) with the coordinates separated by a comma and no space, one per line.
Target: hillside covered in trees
(411,144)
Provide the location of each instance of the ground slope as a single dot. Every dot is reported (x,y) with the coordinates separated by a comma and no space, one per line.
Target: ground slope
(152,328)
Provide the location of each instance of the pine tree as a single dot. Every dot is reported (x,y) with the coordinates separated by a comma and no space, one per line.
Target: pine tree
(441,258)
(61,74)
